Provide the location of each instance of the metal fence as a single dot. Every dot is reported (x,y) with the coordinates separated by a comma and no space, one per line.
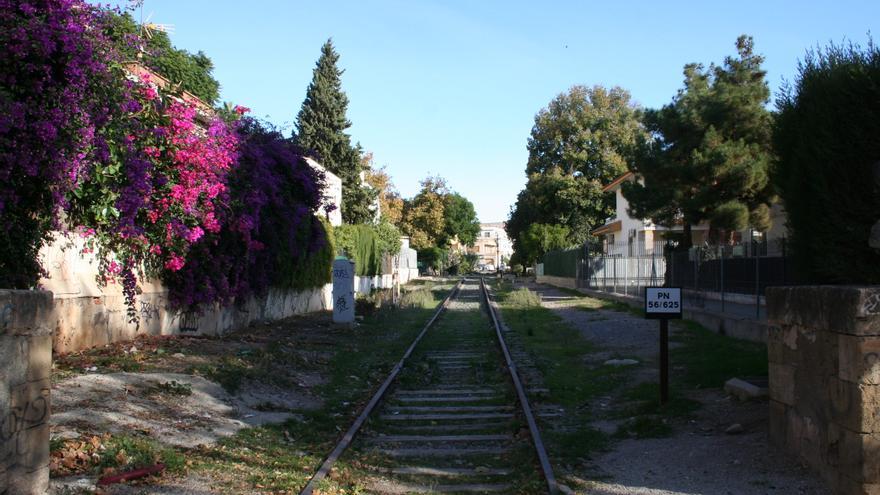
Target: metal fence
(728,278)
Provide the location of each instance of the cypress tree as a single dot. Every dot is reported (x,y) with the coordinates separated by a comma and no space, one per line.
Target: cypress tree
(320,127)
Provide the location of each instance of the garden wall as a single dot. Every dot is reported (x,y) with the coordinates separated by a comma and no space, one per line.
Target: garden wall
(25,365)
(88,315)
(824,353)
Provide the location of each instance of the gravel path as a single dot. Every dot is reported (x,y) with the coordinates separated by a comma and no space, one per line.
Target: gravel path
(699,458)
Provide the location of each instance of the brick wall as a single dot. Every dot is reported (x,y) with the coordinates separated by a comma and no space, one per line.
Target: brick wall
(824,353)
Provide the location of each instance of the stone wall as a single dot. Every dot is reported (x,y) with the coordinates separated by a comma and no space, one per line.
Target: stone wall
(25,366)
(824,353)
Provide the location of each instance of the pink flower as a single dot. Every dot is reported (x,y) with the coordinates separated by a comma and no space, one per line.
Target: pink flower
(241,110)
(175,263)
(155,249)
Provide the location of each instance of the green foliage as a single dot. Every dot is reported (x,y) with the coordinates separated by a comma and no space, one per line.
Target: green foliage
(539,239)
(581,141)
(436,216)
(461,219)
(388,237)
(522,298)
(711,359)
(360,243)
(459,263)
(320,127)
(711,156)
(433,257)
(316,269)
(562,263)
(191,71)
(828,172)
(423,215)
(419,298)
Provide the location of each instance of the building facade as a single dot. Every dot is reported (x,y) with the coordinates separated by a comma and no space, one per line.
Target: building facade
(492,247)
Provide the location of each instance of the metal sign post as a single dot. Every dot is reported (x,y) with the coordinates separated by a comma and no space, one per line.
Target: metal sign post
(664,304)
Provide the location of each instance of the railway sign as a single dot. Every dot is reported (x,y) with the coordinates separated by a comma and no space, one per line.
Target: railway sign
(663,302)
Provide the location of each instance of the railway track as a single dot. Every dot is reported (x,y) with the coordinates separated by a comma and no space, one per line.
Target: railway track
(452,416)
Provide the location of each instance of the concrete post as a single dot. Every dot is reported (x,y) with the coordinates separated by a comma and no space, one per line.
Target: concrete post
(25,368)
(343,291)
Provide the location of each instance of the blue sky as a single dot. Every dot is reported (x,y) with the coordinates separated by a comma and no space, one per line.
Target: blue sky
(452,87)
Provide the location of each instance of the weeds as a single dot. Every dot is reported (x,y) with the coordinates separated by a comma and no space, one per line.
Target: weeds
(522,298)
(711,359)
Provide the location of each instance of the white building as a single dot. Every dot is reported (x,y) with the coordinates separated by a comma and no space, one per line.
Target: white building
(331,194)
(624,235)
(492,246)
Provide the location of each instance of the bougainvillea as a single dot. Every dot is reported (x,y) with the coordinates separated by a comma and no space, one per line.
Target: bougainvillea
(55,85)
(154,191)
(159,185)
(268,234)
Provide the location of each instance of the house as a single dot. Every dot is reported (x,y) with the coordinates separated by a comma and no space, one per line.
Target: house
(331,194)
(623,235)
(492,246)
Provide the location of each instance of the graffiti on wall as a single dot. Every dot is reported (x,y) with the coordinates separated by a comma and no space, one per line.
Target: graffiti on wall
(29,408)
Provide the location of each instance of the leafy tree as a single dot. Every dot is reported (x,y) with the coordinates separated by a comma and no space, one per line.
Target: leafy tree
(461,219)
(321,125)
(582,140)
(711,156)
(388,237)
(191,71)
(390,202)
(587,131)
(423,215)
(540,238)
(562,199)
(828,171)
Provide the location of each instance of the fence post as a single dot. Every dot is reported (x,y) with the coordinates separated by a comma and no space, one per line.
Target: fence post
(614,277)
(722,278)
(626,276)
(756,254)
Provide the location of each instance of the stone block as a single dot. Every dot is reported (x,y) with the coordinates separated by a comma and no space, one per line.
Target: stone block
(859,359)
(744,390)
(778,423)
(851,310)
(782,384)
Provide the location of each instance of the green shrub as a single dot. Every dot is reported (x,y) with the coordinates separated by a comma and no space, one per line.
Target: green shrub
(314,270)
(826,138)
(523,298)
(360,243)
(419,298)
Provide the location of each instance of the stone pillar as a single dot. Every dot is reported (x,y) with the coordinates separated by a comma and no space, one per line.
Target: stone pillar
(824,353)
(343,291)
(25,367)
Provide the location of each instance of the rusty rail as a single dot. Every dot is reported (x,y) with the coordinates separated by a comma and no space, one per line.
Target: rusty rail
(546,468)
(346,439)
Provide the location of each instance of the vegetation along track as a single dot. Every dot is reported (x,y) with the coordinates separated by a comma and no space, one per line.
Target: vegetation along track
(452,417)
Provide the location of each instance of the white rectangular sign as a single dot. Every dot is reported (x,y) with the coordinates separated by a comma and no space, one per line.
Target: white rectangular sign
(663,302)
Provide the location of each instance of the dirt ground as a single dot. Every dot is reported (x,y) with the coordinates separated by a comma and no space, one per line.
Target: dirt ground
(699,457)
(187,392)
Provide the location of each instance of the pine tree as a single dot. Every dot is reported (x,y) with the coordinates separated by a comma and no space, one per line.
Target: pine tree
(320,127)
(711,159)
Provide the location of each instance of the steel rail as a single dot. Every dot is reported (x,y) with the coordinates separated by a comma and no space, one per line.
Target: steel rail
(546,468)
(346,440)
